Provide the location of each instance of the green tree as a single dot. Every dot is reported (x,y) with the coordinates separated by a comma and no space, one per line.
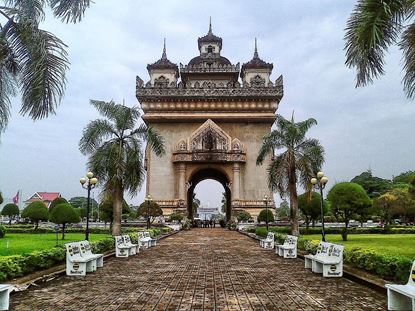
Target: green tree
(33,60)
(106,210)
(10,210)
(1,198)
(262,217)
(195,203)
(374,186)
(348,199)
(63,214)
(81,202)
(404,177)
(283,212)
(298,161)
(176,216)
(243,216)
(149,211)
(309,204)
(36,211)
(385,205)
(55,202)
(373,26)
(115,149)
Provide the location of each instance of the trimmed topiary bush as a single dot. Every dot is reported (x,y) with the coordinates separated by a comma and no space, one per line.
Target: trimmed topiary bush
(63,214)
(36,211)
(10,210)
(262,217)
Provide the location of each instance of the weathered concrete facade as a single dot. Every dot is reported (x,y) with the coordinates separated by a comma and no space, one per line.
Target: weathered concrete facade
(212,124)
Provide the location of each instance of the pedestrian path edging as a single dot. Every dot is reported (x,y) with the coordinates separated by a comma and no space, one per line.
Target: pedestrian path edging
(349,273)
(26,281)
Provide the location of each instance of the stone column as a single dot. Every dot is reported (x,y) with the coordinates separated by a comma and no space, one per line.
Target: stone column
(182,181)
(236,182)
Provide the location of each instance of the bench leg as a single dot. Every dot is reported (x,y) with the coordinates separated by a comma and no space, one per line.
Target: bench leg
(75,268)
(397,301)
(333,271)
(91,266)
(317,267)
(100,262)
(290,253)
(4,299)
(308,263)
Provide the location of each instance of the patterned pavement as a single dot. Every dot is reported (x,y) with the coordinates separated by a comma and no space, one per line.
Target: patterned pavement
(201,269)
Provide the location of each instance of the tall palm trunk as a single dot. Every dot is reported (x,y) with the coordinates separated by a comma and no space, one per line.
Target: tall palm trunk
(294,202)
(117,208)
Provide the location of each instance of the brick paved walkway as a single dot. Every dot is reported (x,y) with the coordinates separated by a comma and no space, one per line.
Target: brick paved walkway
(202,269)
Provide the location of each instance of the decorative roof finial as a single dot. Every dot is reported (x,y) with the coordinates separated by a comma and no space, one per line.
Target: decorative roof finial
(164,55)
(210,24)
(256,50)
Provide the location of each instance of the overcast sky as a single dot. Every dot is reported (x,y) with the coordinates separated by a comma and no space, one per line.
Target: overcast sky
(363,128)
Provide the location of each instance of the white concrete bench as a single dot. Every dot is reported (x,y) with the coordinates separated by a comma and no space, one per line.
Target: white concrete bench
(402,297)
(289,248)
(143,241)
(121,249)
(329,261)
(268,242)
(321,248)
(86,252)
(153,242)
(5,290)
(75,263)
(135,248)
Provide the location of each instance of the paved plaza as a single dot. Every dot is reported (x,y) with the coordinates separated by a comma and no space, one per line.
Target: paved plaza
(201,269)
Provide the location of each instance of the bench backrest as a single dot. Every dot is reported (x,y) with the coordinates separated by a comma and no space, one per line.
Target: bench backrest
(147,234)
(411,280)
(335,251)
(141,234)
(85,248)
(119,241)
(73,250)
(127,239)
(290,240)
(270,236)
(322,250)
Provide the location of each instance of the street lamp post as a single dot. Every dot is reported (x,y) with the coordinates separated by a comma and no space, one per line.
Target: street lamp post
(266,208)
(148,199)
(88,183)
(320,182)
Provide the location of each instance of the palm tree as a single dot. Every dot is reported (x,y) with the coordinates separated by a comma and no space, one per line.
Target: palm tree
(31,59)
(298,161)
(195,203)
(115,149)
(373,26)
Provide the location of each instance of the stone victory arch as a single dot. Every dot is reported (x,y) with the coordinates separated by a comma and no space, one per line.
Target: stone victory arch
(212,124)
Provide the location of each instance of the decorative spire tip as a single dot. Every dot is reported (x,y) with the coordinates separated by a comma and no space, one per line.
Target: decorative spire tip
(164,55)
(210,24)
(256,49)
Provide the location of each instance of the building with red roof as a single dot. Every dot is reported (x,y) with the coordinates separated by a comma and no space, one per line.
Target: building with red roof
(45,197)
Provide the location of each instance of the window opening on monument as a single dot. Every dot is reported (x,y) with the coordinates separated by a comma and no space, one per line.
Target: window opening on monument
(209,200)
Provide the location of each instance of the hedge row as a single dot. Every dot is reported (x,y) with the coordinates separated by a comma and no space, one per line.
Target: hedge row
(30,229)
(391,267)
(390,230)
(20,265)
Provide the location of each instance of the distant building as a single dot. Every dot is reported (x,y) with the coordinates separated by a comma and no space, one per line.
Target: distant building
(45,197)
(206,213)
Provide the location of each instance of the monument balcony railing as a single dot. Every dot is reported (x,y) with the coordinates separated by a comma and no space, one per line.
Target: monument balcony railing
(209,156)
(209,69)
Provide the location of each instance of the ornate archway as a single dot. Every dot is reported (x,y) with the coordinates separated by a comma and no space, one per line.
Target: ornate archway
(209,173)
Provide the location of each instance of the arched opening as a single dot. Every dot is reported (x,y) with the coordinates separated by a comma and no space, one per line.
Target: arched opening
(209,173)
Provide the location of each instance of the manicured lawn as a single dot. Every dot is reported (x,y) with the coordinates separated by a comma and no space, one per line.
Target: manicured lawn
(391,244)
(20,243)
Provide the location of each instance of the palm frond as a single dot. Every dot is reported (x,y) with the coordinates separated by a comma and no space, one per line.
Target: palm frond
(309,160)
(270,142)
(43,60)
(372,27)
(407,46)
(69,11)
(94,134)
(31,10)
(134,168)
(278,174)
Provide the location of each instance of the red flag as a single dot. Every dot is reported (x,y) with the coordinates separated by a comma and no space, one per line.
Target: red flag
(16,198)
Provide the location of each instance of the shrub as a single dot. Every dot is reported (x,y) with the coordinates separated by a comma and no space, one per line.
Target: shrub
(36,211)
(11,210)
(231,225)
(176,216)
(64,214)
(263,216)
(55,202)
(2,231)
(243,216)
